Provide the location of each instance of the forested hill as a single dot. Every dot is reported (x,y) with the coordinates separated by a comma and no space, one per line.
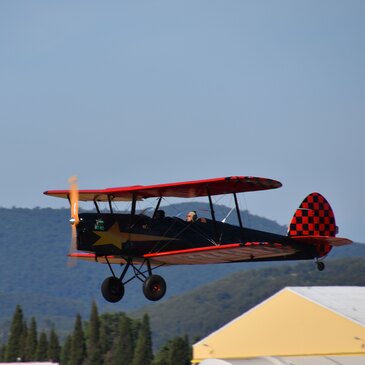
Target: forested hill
(34,272)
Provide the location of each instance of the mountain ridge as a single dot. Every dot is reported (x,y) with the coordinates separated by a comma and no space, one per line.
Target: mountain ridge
(34,273)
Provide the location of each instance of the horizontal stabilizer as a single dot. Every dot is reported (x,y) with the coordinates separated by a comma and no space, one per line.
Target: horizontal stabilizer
(315,240)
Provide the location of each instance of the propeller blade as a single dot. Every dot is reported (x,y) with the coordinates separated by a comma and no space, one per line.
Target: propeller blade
(74,220)
(74,201)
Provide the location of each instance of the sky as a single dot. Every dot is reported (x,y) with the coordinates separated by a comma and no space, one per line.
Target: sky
(129,92)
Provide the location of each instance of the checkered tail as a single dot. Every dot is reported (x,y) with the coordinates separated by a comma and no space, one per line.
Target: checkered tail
(314,217)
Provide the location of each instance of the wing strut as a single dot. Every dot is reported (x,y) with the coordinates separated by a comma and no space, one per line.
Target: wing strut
(96,206)
(216,236)
(239,217)
(110,204)
(134,201)
(157,206)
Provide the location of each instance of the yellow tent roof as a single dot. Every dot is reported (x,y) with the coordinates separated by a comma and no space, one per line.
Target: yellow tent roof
(296,321)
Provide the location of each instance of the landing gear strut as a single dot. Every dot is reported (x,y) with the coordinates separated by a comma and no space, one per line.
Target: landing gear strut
(154,286)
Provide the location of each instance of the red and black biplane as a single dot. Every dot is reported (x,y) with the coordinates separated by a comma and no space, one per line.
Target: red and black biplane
(142,243)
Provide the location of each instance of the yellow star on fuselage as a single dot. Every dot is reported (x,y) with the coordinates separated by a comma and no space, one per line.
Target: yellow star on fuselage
(113,236)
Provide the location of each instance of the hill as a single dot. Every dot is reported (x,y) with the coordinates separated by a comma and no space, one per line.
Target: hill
(34,272)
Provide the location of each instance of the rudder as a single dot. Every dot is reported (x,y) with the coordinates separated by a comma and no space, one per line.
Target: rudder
(314,217)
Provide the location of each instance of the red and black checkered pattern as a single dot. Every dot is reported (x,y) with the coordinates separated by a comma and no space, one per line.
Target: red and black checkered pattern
(314,217)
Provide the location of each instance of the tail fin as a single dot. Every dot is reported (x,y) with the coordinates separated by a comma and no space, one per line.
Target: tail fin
(314,217)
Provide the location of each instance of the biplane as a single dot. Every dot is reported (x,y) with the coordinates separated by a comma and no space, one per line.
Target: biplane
(140,243)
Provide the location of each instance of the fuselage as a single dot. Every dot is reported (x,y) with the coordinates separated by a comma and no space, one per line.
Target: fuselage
(136,235)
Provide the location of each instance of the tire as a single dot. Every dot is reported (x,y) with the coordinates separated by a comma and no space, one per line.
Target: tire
(321,266)
(154,288)
(112,289)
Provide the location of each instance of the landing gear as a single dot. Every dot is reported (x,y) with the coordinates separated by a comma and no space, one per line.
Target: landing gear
(321,266)
(154,287)
(112,289)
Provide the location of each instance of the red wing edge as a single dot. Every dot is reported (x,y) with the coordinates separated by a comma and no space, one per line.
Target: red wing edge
(188,189)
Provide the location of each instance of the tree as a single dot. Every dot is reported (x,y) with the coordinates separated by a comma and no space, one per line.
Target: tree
(78,347)
(180,353)
(32,341)
(162,356)
(121,352)
(2,353)
(93,345)
(53,347)
(66,351)
(175,352)
(13,350)
(143,350)
(23,341)
(42,348)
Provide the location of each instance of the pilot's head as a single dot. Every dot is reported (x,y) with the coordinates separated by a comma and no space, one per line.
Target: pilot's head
(159,215)
(191,216)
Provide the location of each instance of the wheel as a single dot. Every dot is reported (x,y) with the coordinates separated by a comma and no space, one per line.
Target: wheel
(112,289)
(321,266)
(154,288)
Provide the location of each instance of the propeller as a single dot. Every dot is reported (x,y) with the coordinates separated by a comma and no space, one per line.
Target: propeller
(74,220)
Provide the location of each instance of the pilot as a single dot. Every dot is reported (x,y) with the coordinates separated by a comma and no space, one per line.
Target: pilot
(191,216)
(159,215)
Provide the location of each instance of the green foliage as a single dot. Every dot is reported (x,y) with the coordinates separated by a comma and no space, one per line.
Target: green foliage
(42,348)
(122,349)
(78,346)
(93,346)
(143,351)
(14,349)
(54,347)
(175,352)
(66,351)
(2,353)
(32,341)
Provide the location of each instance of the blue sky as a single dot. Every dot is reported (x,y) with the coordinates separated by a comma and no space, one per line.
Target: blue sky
(143,92)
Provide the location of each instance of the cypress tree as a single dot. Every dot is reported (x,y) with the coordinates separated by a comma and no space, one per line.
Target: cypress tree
(42,348)
(122,350)
(23,341)
(103,339)
(109,323)
(179,353)
(162,356)
(2,353)
(66,351)
(143,351)
(53,347)
(78,347)
(32,341)
(93,346)
(13,350)
(175,352)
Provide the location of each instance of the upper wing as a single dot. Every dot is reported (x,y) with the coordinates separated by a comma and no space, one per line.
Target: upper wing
(187,189)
